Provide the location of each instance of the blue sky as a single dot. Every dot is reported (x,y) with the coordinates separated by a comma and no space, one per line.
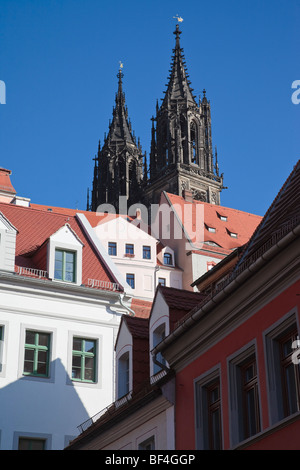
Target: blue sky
(59,60)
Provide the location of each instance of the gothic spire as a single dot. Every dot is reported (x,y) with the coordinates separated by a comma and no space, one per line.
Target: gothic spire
(178,87)
(120,129)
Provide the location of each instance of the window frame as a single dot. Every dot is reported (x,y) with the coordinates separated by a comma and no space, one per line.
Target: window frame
(124,382)
(47,438)
(147,444)
(129,249)
(148,250)
(74,262)
(168,256)
(113,246)
(32,440)
(164,281)
(132,279)
(202,387)
(83,356)
(37,348)
(235,363)
(275,390)
(158,335)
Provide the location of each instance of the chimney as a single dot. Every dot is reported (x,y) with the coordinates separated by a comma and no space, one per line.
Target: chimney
(7,191)
(188,195)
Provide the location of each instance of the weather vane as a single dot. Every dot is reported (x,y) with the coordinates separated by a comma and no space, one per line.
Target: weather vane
(121,65)
(178,18)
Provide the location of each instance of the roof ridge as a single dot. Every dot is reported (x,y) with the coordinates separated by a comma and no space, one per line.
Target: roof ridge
(213,205)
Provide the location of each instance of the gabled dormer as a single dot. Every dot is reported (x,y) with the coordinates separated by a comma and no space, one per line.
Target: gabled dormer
(169,306)
(8,235)
(64,256)
(132,356)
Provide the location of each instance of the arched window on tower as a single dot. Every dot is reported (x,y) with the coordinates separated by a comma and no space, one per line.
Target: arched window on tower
(183,128)
(122,177)
(132,179)
(194,143)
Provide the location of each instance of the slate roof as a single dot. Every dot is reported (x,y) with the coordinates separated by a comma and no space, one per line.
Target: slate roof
(179,301)
(280,218)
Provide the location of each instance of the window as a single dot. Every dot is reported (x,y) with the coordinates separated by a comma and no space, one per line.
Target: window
(31,444)
(162,281)
(123,375)
(129,249)
(84,360)
(1,347)
(168,259)
(37,351)
(130,280)
(232,234)
(244,396)
(148,444)
(250,398)
(210,265)
(146,252)
(289,373)
(222,217)
(208,412)
(194,143)
(283,372)
(64,269)
(211,229)
(112,248)
(158,335)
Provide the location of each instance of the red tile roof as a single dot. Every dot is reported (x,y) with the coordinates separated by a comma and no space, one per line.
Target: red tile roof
(94,218)
(34,229)
(239,222)
(142,308)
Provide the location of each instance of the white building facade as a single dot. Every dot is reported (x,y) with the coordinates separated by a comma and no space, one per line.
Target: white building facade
(57,334)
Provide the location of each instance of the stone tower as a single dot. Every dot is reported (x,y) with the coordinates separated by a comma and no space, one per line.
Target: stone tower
(181,154)
(119,164)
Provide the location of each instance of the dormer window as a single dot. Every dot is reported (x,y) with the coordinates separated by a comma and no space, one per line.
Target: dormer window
(210,229)
(222,217)
(8,235)
(158,336)
(232,234)
(168,260)
(64,269)
(123,375)
(65,256)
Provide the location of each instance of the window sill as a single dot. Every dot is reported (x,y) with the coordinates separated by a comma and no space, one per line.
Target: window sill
(268,431)
(128,255)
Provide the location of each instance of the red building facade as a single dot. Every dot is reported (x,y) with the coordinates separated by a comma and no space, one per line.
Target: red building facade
(236,354)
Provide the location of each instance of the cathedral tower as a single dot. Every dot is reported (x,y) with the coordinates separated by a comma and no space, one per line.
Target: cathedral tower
(181,155)
(119,164)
